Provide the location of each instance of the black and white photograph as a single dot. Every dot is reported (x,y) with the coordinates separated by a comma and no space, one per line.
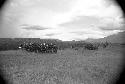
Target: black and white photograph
(62,41)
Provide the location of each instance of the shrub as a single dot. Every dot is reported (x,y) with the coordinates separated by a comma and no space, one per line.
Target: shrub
(91,47)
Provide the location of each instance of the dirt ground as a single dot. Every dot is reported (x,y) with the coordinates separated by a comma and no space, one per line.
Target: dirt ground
(66,67)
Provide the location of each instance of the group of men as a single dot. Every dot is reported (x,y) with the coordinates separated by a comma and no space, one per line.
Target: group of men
(39,47)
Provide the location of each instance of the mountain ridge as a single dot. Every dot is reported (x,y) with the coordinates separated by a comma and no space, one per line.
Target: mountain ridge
(115,38)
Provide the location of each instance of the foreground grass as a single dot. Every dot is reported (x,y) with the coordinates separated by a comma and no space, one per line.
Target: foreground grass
(66,67)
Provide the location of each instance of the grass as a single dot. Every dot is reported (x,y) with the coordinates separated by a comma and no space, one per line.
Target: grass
(66,67)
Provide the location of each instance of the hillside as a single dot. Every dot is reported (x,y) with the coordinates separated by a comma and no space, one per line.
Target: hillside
(116,38)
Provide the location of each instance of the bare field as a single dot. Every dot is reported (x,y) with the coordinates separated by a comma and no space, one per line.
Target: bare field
(66,67)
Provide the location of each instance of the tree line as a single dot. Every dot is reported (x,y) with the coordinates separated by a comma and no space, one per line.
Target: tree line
(13,44)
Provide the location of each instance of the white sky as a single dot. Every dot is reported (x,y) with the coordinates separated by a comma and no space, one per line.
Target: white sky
(61,19)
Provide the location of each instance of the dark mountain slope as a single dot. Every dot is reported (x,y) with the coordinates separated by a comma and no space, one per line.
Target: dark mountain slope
(115,38)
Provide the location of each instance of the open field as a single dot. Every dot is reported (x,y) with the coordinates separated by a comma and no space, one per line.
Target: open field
(68,66)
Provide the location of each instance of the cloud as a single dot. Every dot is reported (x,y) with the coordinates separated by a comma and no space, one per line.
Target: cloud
(51,34)
(84,32)
(113,25)
(93,25)
(74,19)
(34,27)
(89,34)
(83,20)
(111,28)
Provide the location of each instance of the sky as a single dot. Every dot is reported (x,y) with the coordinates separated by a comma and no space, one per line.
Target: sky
(60,19)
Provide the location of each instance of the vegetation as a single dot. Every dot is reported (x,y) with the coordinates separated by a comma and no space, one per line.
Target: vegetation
(68,66)
(91,47)
(13,44)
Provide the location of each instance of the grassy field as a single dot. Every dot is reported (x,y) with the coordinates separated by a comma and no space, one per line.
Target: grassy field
(66,67)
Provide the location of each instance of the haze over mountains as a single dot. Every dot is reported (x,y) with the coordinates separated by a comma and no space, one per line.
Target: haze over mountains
(115,38)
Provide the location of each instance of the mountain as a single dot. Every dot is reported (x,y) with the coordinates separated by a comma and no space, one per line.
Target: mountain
(115,38)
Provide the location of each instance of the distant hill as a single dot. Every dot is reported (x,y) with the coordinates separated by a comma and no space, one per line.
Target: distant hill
(115,38)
